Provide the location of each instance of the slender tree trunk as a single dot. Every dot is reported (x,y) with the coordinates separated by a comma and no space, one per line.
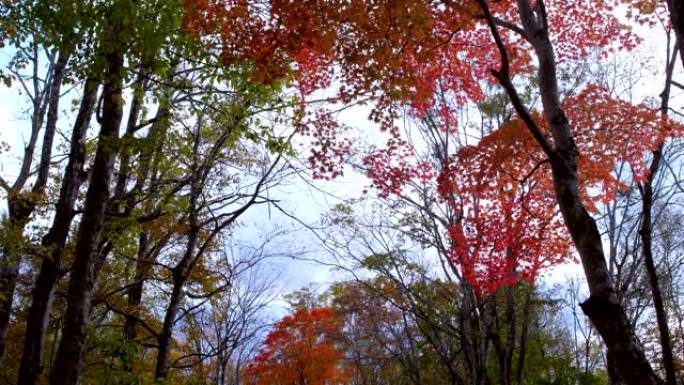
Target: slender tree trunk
(524,332)
(511,324)
(83,271)
(162,368)
(54,241)
(646,233)
(180,275)
(181,271)
(135,291)
(9,266)
(21,207)
(147,253)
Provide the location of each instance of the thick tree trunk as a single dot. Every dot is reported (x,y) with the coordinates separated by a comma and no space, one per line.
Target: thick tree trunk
(614,375)
(83,271)
(676,8)
(20,206)
(54,241)
(603,307)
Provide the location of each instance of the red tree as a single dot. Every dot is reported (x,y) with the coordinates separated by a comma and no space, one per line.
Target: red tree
(406,52)
(300,350)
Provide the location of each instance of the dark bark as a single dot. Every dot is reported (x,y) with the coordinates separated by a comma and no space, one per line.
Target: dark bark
(53,243)
(181,271)
(135,291)
(40,106)
(676,8)
(147,255)
(646,234)
(51,122)
(510,335)
(180,274)
(613,374)
(163,366)
(131,128)
(524,333)
(21,205)
(147,251)
(83,271)
(475,342)
(602,307)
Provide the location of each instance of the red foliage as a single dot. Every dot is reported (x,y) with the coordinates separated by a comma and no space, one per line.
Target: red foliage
(391,168)
(510,226)
(398,52)
(300,350)
(405,52)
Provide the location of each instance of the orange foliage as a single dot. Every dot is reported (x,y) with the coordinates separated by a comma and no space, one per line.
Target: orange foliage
(300,350)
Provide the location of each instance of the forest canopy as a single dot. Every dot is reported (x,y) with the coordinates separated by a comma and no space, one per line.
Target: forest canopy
(469,192)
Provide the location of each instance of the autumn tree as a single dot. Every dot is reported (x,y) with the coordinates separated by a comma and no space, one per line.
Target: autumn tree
(118,185)
(212,208)
(48,60)
(395,55)
(182,113)
(301,349)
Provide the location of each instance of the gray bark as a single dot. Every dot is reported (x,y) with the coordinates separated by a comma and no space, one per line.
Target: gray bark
(53,242)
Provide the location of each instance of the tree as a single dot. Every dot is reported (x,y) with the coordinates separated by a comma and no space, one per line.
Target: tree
(133,187)
(33,42)
(395,55)
(300,350)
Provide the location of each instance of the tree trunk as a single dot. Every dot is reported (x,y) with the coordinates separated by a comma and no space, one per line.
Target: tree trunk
(676,8)
(147,253)
(165,337)
(180,275)
(54,241)
(21,207)
(603,308)
(181,271)
(614,375)
(83,271)
(646,233)
(134,293)
(510,334)
(524,333)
